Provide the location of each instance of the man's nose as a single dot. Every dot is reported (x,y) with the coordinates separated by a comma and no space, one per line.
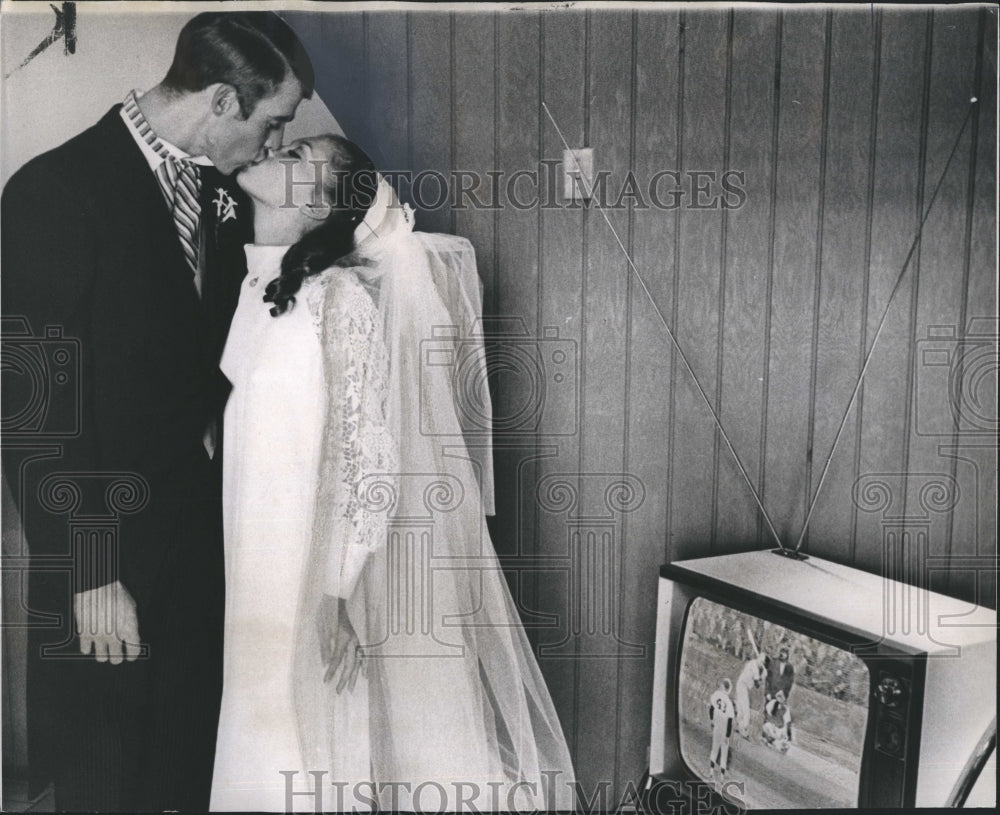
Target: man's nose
(266,151)
(274,140)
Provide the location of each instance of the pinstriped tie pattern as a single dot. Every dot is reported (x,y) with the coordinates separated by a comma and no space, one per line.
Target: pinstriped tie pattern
(180,183)
(182,180)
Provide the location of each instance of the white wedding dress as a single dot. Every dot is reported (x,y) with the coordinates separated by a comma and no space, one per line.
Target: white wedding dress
(273,429)
(351,471)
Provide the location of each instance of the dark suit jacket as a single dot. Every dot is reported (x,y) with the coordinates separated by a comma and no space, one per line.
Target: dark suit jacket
(90,250)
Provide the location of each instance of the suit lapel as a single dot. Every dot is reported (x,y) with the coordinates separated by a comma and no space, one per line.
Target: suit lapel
(145,232)
(227,221)
(140,211)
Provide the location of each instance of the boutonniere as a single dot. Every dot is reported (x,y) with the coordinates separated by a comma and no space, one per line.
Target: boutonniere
(225,206)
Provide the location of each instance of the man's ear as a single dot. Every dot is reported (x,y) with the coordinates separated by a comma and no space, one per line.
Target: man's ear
(224,99)
(318,212)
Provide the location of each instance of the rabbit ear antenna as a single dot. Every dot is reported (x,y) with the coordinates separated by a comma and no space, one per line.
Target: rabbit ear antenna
(881,325)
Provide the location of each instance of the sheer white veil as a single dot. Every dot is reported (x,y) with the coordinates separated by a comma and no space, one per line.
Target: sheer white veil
(453,694)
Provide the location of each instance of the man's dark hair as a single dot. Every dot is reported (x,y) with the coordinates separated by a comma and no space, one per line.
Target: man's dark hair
(252,51)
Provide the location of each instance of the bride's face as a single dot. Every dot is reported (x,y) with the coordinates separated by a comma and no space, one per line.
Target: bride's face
(291,176)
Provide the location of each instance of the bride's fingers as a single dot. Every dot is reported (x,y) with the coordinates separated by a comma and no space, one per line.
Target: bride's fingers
(352,663)
(356,669)
(331,671)
(340,646)
(344,677)
(332,655)
(342,651)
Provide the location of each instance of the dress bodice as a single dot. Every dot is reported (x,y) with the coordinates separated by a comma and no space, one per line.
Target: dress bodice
(251,321)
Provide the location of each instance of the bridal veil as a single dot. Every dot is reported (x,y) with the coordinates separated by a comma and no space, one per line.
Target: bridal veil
(452,711)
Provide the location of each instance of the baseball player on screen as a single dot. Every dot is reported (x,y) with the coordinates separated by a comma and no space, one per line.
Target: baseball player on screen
(721,713)
(753,673)
(780,678)
(777,730)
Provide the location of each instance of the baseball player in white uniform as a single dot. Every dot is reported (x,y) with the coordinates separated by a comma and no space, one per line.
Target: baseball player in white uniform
(721,713)
(750,677)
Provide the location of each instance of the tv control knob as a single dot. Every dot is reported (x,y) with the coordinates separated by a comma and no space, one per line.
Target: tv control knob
(891,691)
(890,737)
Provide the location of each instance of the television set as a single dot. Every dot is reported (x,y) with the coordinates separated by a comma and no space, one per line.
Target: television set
(886,696)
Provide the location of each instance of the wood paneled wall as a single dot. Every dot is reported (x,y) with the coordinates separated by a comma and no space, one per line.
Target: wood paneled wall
(842,122)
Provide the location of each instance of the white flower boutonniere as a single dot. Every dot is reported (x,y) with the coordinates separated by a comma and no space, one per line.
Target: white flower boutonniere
(225,206)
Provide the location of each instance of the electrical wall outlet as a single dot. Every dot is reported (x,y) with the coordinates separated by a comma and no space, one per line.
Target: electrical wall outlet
(578,174)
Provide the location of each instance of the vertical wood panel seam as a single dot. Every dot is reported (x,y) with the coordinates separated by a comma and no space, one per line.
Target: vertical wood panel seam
(409,92)
(970,204)
(911,359)
(539,314)
(496,157)
(866,286)
(675,288)
(452,105)
(585,256)
(627,406)
(772,216)
(818,276)
(720,338)
(365,84)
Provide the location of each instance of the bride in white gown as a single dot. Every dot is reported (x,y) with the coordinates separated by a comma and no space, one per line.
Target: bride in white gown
(374,657)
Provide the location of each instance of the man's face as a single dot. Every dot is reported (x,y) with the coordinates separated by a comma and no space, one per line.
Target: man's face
(289,176)
(236,142)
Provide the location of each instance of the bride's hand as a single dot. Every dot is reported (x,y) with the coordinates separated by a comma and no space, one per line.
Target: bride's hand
(338,643)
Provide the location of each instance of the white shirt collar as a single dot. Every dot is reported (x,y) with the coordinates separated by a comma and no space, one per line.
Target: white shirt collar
(154,159)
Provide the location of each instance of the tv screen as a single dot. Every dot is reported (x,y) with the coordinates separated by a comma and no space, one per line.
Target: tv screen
(788,712)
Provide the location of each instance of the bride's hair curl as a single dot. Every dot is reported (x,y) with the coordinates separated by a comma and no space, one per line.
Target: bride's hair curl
(349,189)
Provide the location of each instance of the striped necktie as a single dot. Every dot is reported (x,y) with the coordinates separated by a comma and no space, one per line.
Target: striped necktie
(180,183)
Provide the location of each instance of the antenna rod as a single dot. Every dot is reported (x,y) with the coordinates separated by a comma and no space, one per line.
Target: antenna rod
(881,323)
(670,334)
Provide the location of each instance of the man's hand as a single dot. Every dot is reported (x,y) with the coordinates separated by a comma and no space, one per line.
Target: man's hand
(338,643)
(105,621)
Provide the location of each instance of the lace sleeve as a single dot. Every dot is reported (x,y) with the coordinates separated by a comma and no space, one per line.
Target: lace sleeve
(358,453)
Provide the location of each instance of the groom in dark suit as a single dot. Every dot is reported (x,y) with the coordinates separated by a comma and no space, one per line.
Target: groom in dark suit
(125,244)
